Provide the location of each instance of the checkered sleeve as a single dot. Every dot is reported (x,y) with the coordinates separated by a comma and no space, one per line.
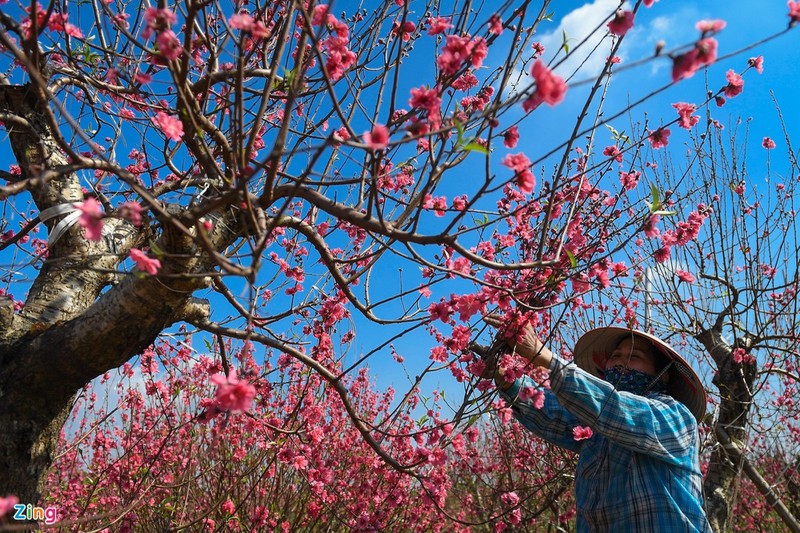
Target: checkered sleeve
(657,425)
(551,422)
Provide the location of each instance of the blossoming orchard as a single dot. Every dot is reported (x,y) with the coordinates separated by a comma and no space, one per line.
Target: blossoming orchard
(247,248)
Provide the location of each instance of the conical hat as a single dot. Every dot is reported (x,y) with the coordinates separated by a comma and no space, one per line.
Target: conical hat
(594,348)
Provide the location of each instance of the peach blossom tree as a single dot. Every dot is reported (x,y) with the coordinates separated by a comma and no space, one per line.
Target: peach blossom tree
(318,183)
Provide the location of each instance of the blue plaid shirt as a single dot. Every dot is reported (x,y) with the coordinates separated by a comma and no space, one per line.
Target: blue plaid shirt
(640,470)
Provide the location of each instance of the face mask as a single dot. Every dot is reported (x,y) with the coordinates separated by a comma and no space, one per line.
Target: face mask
(635,381)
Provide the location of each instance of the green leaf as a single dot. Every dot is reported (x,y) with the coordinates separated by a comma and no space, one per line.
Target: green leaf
(565,43)
(460,130)
(572,261)
(618,136)
(665,213)
(476,147)
(422,420)
(656,195)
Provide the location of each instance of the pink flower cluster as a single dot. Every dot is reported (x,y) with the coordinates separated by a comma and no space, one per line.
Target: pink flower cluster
(91,219)
(704,53)
(160,21)
(339,56)
(232,394)
(171,126)
(521,166)
(459,51)
(550,88)
(145,263)
(621,23)
(582,433)
(685,117)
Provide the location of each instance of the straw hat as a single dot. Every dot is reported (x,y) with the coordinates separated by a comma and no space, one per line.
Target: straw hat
(594,348)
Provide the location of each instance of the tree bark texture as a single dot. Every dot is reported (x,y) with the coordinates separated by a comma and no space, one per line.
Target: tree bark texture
(70,330)
(735,383)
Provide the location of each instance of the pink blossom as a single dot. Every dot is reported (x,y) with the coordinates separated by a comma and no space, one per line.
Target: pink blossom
(794,11)
(510,499)
(404,30)
(621,23)
(159,19)
(735,84)
(427,99)
(171,126)
(241,21)
(768,143)
(73,31)
(521,166)
(7,504)
(740,356)
(704,53)
(228,507)
(460,202)
(662,254)
(438,204)
(511,137)
(320,14)
(613,152)
(458,50)
(142,77)
(659,138)
(440,311)
(91,219)
(533,394)
(582,433)
(495,25)
(232,394)
(757,63)
(168,45)
(685,118)
(132,212)
(437,25)
(550,88)
(710,26)
(629,180)
(378,138)
(145,263)
(649,3)
(685,276)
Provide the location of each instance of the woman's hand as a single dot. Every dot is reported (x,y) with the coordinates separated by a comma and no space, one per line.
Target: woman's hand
(530,347)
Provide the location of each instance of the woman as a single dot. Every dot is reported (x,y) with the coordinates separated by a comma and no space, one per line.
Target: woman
(639,470)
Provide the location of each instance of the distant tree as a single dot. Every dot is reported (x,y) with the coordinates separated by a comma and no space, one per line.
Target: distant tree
(729,295)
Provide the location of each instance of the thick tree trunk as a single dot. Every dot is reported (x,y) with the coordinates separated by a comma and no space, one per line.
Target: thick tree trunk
(68,332)
(735,384)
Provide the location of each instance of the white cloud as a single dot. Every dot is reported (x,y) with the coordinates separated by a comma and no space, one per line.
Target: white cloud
(583,23)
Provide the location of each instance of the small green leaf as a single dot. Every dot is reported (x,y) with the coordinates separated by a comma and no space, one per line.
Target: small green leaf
(572,261)
(665,213)
(476,147)
(460,130)
(656,195)
(565,43)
